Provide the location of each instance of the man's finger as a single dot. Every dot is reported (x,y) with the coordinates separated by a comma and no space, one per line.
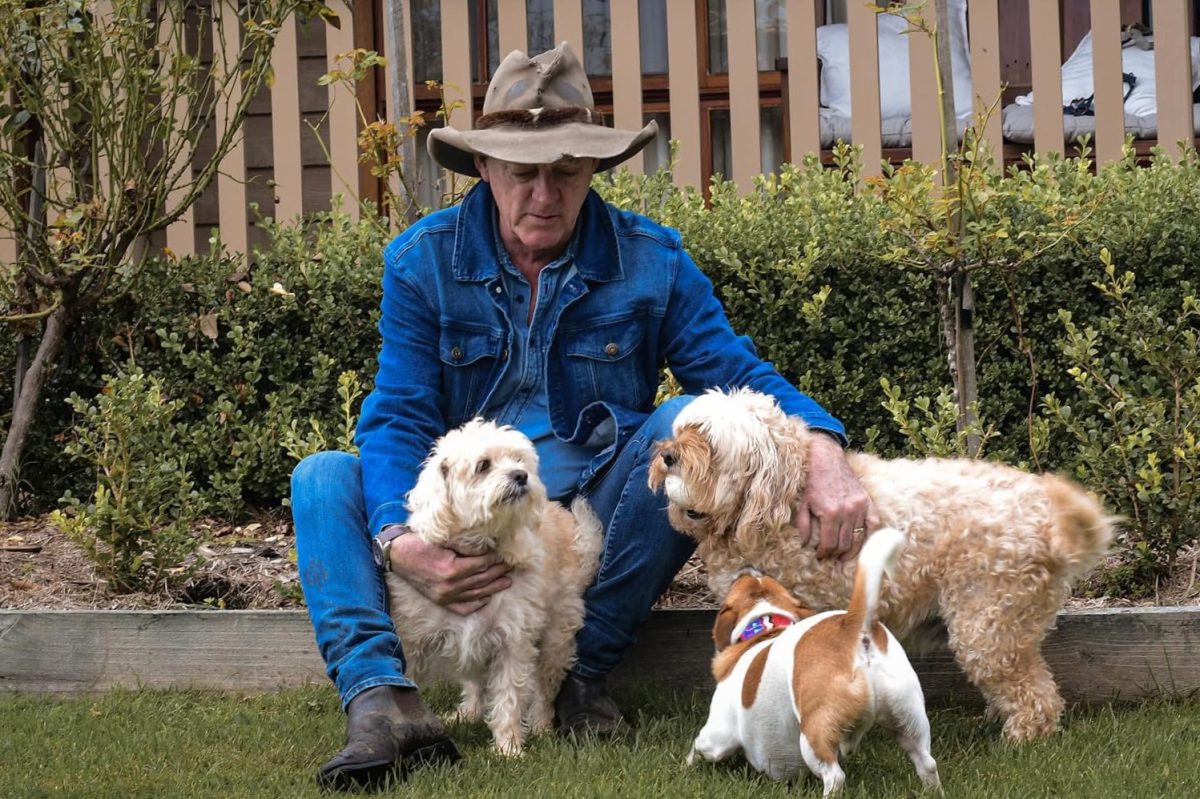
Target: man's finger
(846,536)
(828,541)
(802,520)
(469,566)
(859,536)
(466,608)
(485,585)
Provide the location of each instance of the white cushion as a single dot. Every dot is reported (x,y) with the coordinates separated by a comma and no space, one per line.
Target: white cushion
(1017,121)
(895,98)
(1078,84)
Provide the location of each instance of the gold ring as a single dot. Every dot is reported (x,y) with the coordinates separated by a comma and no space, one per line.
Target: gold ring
(859,530)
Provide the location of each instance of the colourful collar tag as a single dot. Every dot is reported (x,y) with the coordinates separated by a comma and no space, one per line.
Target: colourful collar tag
(764,624)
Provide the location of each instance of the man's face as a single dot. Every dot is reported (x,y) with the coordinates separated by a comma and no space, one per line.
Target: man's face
(538,204)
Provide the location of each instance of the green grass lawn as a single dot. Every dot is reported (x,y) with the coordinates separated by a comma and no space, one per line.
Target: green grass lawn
(180,744)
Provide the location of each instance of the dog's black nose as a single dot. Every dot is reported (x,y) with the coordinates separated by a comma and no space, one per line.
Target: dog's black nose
(519,476)
(668,458)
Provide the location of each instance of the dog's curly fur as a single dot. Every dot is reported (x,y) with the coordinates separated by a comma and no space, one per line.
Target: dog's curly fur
(479,489)
(992,550)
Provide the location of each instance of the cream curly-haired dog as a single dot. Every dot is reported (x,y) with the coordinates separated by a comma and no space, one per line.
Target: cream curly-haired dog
(479,490)
(992,550)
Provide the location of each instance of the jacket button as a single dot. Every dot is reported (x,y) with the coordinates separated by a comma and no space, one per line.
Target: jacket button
(611,349)
(456,354)
(504,355)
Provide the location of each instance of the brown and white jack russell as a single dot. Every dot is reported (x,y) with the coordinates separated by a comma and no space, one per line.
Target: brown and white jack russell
(797,686)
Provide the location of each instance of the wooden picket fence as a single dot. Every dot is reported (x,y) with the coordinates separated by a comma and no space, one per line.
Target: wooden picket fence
(299,150)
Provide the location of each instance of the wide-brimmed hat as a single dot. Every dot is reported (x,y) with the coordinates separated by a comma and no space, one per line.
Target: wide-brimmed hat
(538,110)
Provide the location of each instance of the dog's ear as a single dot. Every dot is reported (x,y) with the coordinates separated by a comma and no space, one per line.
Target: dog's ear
(766,505)
(776,478)
(726,620)
(429,501)
(658,467)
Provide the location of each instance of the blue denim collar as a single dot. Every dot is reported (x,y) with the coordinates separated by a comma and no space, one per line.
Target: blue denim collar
(597,256)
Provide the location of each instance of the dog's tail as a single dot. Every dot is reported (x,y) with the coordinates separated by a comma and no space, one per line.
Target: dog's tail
(878,556)
(589,539)
(1080,531)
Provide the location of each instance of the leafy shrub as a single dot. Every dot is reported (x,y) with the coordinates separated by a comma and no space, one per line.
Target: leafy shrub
(250,352)
(137,524)
(1135,418)
(303,439)
(804,263)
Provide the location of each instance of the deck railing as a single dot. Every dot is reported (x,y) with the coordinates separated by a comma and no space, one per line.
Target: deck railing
(299,147)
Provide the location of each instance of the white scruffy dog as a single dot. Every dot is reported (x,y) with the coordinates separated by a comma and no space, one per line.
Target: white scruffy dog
(479,490)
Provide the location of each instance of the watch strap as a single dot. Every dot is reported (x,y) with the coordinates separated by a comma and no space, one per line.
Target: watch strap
(382,545)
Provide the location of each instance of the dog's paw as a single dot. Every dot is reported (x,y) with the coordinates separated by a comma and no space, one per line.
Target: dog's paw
(508,749)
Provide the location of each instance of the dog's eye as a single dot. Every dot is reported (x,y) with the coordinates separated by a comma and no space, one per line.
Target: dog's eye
(483,466)
(695,515)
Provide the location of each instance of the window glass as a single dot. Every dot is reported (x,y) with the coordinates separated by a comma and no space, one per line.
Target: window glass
(428,173)
(426,40)
(771,31)
(539,22)
(597,41)
(652,27)
(718,52)
(719,140)
(658,152)
(493,38)
(770,137)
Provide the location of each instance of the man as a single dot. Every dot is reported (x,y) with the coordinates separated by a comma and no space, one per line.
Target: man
(535,304)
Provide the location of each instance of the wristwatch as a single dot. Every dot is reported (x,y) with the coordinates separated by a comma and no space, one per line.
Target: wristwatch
(382,545)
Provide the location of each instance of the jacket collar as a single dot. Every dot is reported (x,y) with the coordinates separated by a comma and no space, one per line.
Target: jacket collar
(475,258)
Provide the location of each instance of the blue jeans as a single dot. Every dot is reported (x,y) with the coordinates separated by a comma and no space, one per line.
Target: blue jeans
(347,600)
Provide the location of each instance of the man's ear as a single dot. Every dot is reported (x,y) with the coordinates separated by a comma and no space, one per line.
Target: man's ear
(481,166)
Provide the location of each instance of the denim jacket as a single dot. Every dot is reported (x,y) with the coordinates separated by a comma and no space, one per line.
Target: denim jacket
(637,302)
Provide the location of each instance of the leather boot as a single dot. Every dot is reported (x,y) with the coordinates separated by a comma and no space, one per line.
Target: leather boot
(389,731)
(584,708)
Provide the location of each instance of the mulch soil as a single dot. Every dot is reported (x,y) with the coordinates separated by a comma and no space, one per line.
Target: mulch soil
(246,566)
(253,566)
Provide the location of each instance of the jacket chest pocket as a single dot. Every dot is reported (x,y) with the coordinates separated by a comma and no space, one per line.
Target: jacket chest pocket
(470,363)
(605,362)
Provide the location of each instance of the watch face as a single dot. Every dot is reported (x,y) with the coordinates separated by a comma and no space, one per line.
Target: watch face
(380,551)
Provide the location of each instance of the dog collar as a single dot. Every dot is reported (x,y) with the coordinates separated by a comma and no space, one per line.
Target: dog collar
(764,624)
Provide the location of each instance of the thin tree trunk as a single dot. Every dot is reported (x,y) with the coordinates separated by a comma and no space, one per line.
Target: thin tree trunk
(25,406)
(960,332)
(965,385)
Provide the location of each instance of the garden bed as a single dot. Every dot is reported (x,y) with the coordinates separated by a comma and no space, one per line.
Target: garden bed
(238,625)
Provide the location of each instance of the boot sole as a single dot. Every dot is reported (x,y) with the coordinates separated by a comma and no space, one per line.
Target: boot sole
(377,774)
(372,775)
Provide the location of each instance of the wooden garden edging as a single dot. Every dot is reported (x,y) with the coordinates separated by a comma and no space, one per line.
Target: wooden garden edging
(1096,655)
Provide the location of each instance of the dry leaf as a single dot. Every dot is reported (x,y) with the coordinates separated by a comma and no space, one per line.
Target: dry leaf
(208,325)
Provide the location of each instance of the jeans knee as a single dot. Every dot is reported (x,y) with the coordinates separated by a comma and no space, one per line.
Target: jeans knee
(322,471)
(658,426)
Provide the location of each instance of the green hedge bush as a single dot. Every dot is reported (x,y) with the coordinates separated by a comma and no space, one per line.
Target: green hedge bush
(801,263)
(253,354)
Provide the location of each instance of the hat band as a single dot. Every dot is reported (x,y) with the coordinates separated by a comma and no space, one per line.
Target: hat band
(540,117)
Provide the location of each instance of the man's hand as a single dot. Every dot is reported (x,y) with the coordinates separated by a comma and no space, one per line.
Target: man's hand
(835,513)
(462,582)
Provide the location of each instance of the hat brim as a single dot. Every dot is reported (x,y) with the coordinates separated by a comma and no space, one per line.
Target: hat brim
(456,149)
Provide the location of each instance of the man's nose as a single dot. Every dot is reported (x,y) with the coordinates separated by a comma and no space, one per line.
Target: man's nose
(545,186)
